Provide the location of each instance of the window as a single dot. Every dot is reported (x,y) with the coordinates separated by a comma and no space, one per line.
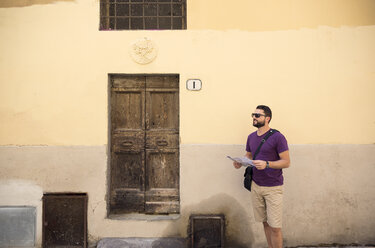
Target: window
(142,14)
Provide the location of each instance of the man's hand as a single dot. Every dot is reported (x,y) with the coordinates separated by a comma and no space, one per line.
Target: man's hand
(237,165)
(260,164)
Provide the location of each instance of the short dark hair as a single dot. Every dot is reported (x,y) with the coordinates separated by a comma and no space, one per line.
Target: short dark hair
(267,111)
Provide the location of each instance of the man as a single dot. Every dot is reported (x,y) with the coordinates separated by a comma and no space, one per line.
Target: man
(267,184)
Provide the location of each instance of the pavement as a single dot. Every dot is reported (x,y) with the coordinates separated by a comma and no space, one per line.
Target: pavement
(142,243)
(341,246)
(181,243)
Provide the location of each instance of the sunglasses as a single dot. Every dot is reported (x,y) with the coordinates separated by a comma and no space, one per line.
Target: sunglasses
(257,115)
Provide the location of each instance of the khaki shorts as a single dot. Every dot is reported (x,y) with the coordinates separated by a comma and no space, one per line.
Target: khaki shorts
(267,204)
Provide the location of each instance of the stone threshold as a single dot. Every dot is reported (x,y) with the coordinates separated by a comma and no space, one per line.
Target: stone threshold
(142,243)
(145,217)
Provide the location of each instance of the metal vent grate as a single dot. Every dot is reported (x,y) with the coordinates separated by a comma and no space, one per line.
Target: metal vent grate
(207,231)
(65,220)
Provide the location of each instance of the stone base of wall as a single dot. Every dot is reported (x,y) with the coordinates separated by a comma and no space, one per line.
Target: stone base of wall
(329,192)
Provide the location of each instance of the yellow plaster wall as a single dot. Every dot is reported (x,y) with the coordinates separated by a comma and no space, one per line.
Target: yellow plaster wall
(319,81)
(254,15)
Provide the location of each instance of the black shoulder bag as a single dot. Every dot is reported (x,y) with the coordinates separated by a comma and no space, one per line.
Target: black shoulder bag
(249,170)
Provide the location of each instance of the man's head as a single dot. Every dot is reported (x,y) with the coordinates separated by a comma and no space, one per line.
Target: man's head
(261,116)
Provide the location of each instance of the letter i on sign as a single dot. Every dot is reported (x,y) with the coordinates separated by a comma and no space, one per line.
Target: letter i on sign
(194,84)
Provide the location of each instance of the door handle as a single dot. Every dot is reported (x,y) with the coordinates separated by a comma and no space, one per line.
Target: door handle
(161,143)
(127,143)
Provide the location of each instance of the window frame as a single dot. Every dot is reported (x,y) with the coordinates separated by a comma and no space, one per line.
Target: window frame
(142,15)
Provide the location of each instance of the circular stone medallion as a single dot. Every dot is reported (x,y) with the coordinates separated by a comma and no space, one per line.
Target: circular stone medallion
(143,51)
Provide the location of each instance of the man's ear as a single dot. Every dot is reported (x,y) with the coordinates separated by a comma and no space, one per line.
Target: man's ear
(269,119)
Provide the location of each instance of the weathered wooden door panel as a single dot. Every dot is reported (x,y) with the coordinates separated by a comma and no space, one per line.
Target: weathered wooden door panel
(162,143)
(127,201)
(127,144)
(128,82)
(158,195)
(156,139)
(161,169)
(127,110)
(170,82)
(165,207)
(162,183)
(127,141)
(161,108)
(128,170)
(127,176)
(162,103)
(144,144)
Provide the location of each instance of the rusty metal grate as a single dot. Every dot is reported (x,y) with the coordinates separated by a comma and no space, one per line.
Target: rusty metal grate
(65,220)
(207,231)
(142,14)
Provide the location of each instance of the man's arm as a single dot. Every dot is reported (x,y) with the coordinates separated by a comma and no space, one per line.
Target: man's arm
(238,165)
(283,162)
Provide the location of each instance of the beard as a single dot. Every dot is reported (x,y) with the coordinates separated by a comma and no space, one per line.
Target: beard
(258,124)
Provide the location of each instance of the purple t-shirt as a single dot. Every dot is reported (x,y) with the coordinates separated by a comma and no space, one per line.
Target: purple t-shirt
(270,150)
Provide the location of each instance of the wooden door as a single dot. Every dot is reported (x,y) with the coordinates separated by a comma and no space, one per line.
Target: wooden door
(144,144)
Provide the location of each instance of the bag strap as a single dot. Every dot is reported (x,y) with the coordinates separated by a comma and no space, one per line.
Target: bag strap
(272,131)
